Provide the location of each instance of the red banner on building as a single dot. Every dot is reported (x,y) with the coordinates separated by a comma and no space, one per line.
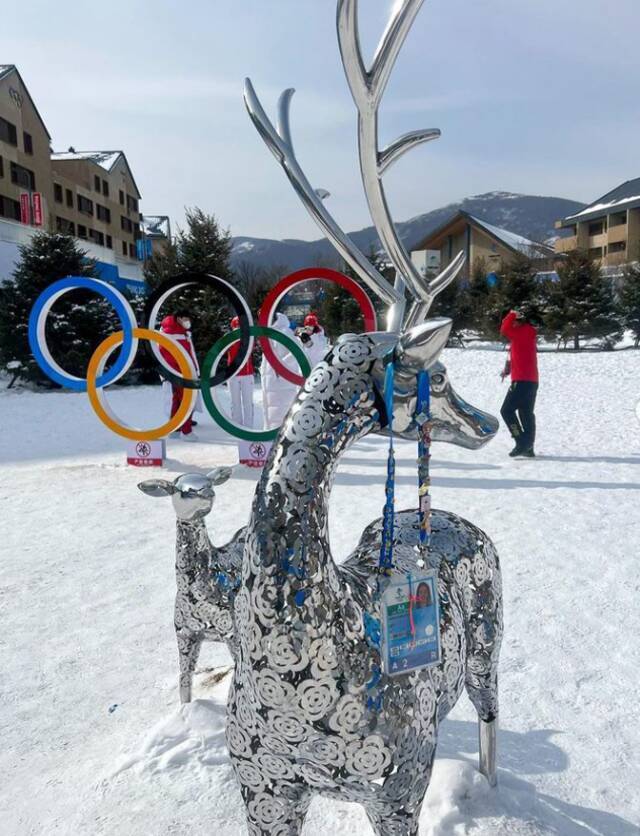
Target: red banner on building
(37,208)
(25,208)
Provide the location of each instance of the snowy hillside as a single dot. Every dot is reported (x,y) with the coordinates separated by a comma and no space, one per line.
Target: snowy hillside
(528,215)
(93,738)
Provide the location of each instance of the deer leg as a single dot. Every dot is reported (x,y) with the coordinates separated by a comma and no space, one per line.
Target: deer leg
(188,651)
(279,809)
(487,734)
(387,821)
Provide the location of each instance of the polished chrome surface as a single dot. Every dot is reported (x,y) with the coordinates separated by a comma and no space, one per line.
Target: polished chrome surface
(367,87)
(280,144)
(487,744)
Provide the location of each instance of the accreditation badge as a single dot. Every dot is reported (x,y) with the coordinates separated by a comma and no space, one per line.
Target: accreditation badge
(411,624)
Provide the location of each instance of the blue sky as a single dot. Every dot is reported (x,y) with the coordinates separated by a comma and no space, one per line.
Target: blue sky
(534,97)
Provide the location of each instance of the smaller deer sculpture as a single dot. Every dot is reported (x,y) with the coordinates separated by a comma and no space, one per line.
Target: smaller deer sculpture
(206,576)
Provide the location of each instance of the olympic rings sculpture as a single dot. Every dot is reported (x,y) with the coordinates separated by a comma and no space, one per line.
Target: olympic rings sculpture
(187,378)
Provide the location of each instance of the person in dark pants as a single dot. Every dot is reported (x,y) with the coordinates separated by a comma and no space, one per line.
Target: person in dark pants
(518,407)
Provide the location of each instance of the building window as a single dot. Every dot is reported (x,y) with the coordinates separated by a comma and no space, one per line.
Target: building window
(103,214)
(124,248)
(618,247)
(595,252)
(69,196)
(619,219)
(132,250)
(1,168)
(125,224)
(9,208)
(132,204)
(109,242)
(23,177)
(105,188)
(121,197)
(57,192)
(82,231)
(65,227)
(96,182)
(28,143)
(596,228)
(8,132)
(96,237)
(85,205)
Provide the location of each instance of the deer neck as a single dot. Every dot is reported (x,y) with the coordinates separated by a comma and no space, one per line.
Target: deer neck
(288,547)
(193,546)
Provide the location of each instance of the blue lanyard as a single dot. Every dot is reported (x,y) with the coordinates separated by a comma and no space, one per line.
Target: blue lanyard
(423,419)
(386,547)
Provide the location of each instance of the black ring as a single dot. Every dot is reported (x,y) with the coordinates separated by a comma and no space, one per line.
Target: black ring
(240,308)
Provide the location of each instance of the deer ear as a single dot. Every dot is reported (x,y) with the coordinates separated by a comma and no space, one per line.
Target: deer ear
(157,487)
(420,346)
(219,475)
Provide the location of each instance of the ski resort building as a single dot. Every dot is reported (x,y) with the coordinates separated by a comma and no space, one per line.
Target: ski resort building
(480,241)
(609,228)
(91,195)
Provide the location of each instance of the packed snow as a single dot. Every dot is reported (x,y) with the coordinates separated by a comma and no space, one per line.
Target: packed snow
(94,740)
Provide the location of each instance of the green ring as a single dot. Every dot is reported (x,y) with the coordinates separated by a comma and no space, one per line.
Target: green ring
(218,348)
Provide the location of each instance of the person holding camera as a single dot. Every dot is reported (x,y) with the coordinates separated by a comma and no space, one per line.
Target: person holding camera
(313,339)
(519,405)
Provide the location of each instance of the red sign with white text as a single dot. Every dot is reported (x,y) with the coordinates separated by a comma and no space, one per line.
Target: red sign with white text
(37,209)
(25,209)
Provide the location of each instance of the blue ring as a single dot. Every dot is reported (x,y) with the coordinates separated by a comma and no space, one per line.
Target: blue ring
(107,292)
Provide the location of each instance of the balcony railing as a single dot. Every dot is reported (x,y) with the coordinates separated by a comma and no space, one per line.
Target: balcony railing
(565,245)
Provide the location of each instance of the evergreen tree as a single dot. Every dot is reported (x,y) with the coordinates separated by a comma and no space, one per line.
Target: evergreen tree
(629,301)
(517,289)
(581,304)
(76,324)
(203,247)
(339,313)
(161,266)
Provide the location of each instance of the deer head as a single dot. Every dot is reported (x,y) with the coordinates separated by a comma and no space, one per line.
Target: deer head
(192,494)
(415,346)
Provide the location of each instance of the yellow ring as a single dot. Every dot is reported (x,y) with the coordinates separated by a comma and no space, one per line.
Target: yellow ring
(96,364)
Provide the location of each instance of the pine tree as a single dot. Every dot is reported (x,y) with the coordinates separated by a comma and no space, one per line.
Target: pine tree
(581,304)
(203,247)
(76,324)
(339,313)
(161,266)
(629,301)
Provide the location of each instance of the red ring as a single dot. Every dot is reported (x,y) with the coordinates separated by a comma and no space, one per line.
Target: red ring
(275,295)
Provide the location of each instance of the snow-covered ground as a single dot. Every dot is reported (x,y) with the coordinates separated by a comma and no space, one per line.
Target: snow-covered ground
(93,740)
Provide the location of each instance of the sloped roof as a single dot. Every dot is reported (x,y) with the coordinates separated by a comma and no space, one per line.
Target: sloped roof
(156,226)
(516,243)
(513,240)
(107,160)
(625,196)
(7,69)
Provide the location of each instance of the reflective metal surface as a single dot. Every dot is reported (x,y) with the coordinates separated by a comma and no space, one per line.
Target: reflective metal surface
(310,709)
(206,576)
(280,144)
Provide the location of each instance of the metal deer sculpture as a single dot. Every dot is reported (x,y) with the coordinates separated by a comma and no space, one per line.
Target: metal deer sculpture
(310,709)
(206,576)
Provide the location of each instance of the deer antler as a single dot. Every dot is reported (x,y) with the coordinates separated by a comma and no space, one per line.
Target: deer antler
(367,87)
(280,143)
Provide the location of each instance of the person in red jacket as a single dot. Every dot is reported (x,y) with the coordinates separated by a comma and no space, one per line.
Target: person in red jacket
(178,326)
(518,407)
(241,386)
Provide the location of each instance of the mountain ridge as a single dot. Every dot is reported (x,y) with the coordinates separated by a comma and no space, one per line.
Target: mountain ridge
(533,216)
